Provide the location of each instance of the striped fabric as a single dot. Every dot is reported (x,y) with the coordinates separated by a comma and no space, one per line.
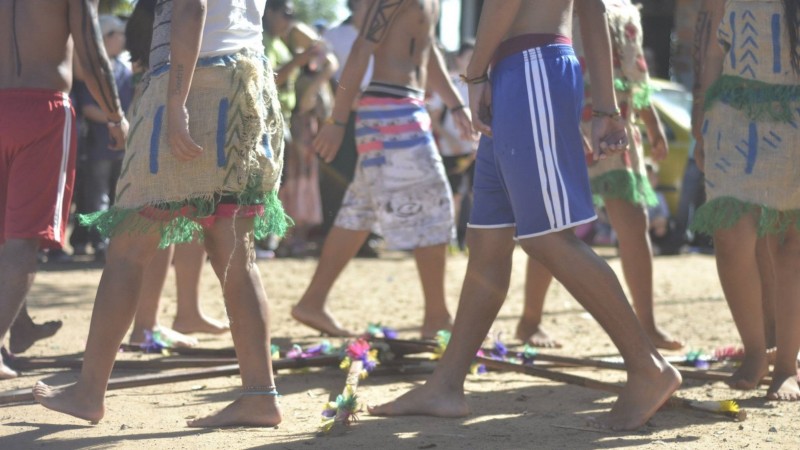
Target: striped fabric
(391,124)
(532,174)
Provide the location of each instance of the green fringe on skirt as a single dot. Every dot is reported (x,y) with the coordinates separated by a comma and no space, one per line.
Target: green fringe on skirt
(178,229)
(725,212)
(623,185)
(758,100)
(642,92)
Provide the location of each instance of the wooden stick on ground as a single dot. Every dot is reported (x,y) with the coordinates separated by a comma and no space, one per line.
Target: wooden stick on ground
(726,408)
(26,364)
(25,395)
(346,405)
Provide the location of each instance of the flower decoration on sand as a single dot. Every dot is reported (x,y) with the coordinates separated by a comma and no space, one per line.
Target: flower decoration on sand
(377,330)
(343,409)
(442,339)
(360,350)
(297,352)
(155,342)
(698,359)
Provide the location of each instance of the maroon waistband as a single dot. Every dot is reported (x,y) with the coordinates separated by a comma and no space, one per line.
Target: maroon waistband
(516,44)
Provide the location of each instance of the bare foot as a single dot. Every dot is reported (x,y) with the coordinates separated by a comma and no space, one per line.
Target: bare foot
(70,400)
(536,336)
(5,372)
(424,401)
(639,400)
(430,327)
(200,324)
(246,411)
(320,320)
(784,387)
(24,335)
(662,339)
(752,370)
(168,336)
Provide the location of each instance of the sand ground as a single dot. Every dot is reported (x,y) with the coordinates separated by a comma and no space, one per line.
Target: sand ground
(509,410)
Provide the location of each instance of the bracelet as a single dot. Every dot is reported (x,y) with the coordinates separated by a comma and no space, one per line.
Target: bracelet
(331,121)
(611,115)
(457,108)
(476,80)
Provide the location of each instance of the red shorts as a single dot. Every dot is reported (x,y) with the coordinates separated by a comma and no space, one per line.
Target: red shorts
(37,165)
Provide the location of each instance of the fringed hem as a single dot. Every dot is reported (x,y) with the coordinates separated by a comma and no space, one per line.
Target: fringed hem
(178,222)
(623,185)
(642,92)
(758,100)
(725,212)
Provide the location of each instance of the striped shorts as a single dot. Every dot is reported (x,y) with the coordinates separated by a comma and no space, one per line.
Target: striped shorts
(400,189)
(532,175)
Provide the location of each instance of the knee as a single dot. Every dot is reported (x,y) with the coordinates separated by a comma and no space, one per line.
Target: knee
(20,252)
(131,252)
(788,250)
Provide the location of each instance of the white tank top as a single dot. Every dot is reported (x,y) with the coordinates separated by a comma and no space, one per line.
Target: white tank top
(232,25)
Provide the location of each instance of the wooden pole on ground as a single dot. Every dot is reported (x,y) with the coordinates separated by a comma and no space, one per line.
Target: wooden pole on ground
(25,395)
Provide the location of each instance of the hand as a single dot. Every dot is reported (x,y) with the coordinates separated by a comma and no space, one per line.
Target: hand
(700,154)
(463,120)
(659,148)
(117,134)
(480,105)
(608,137)
(328,141)
(180,142)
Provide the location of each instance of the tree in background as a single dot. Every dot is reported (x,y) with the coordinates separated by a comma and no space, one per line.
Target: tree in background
(118,7)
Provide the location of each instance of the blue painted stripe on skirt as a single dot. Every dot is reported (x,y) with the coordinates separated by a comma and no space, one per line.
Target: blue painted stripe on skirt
(267,147)
(222,127)
(396,145)
(155,138)
(388,114)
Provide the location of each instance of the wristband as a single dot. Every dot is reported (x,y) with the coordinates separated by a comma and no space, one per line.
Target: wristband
(457,108)
(116,123)
(475,80)
(607,114)
(331,121)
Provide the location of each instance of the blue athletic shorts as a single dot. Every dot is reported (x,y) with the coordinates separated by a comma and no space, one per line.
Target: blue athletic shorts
(532,175)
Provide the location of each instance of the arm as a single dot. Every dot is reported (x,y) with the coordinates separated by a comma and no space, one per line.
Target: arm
(608,132)
(655,132)
(440,83)
(184,49)
(496,19)
(708,57)
(96,68)
(380,18)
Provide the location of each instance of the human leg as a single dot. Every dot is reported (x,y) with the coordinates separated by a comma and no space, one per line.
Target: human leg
(25,332)
(630,223)
(340,247)
(431,267)
(114,308)
(230,246)
(787,317)
(484,290)
(740,279)
(529,327)
(17,271)
(766,271)
(188,261)
(651,380)
(149,302)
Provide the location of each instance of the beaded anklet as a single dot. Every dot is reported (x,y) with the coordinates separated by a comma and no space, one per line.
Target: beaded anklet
(260,390)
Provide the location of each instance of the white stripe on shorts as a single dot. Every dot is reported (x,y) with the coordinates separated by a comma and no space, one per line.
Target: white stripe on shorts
(548,206)
(62,175)
(552,133)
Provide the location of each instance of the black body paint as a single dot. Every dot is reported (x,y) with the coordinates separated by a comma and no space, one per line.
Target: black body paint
(92,40)
(17,56)
(382,13)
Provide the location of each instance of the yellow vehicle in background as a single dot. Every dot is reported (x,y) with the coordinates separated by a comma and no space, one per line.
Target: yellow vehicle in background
(674,105)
